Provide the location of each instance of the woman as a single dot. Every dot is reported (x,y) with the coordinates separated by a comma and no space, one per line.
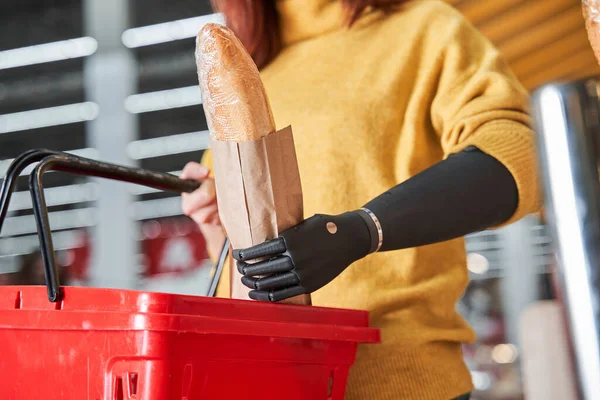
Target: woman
(410,132)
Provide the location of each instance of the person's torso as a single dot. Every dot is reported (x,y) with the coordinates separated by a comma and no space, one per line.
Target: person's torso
(358,101)
(359,104)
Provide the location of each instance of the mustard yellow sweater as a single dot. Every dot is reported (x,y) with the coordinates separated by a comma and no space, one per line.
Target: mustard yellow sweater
(371,107)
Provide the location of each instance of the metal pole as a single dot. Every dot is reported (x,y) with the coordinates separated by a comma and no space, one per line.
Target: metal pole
(519,284)
(110,77)
(568,128)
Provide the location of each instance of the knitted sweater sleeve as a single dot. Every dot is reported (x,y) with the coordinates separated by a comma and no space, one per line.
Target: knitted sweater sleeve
(479,102)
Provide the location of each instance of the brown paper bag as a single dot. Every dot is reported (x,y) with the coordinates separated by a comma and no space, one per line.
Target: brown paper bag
(259,193)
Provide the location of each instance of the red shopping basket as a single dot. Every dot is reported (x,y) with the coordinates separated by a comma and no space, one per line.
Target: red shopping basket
(102,344)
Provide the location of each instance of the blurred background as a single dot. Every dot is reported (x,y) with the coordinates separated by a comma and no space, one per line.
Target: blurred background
(115,80)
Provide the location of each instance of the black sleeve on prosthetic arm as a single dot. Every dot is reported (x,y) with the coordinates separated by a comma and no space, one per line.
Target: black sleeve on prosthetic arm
(468,192)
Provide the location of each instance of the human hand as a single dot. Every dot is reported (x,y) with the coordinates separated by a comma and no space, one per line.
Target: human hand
(304,258)
(201,206)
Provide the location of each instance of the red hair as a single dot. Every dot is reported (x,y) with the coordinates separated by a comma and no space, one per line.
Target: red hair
(255,22)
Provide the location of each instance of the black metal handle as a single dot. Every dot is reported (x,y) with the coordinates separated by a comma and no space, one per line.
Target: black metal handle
(212,290)
(14,171)
(21,162)
(83,166)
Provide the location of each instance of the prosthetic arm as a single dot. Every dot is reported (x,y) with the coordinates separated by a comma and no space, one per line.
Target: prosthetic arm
(468,192)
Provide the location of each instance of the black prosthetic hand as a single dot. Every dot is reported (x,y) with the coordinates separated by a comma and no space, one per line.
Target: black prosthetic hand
(304,258)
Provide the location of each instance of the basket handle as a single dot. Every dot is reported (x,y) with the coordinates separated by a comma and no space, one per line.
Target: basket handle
(83,166)
(212,290)
(14,171)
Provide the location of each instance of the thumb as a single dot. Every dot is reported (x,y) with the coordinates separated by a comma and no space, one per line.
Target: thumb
(195,171)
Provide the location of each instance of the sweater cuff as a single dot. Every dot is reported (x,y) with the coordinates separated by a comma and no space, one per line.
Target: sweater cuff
(513,144)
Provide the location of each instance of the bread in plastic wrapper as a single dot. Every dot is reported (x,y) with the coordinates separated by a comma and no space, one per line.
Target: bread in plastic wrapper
(591,12)
(233,96)
(259,192)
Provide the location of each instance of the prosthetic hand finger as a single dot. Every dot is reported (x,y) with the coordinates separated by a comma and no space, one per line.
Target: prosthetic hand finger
(276,295)
(271,282)
(260,295)
(266,249)
(273,266)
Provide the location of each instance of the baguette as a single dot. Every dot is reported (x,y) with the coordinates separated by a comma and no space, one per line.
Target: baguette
(591,13)
(234,98)
(258,184)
